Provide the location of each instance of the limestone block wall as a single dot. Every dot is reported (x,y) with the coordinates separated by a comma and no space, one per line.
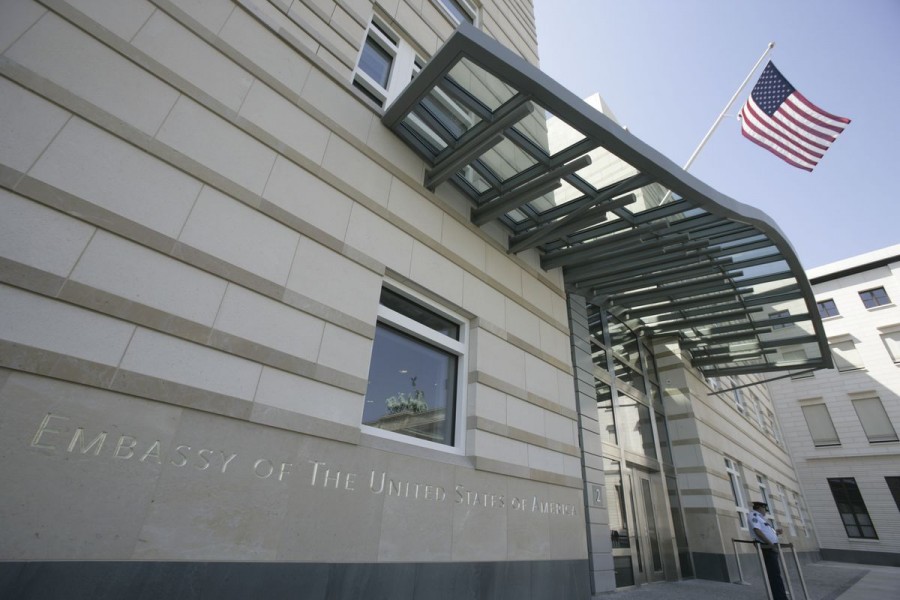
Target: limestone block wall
(197,214)
(705,428)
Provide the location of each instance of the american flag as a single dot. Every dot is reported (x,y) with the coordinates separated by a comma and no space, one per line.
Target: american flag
(780,119)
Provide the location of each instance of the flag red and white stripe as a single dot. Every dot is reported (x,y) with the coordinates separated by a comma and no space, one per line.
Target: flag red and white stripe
(780,119)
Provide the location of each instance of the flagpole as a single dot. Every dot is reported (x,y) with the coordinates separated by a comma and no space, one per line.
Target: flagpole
(718,120)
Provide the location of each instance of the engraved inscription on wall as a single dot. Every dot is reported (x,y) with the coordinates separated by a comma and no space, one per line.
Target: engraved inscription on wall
(59,433)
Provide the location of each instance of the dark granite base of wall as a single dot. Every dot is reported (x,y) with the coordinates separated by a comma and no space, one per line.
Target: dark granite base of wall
(886,559)
(715,566)
(710,566)
(100,580)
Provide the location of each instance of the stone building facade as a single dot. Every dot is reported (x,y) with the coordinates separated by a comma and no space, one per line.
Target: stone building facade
(252,343)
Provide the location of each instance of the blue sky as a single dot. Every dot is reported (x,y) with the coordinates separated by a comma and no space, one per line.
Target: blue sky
(667,68)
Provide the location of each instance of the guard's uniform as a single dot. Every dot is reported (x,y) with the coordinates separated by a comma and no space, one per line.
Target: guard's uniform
(768,537)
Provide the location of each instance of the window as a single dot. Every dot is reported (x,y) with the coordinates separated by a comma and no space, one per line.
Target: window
(386,64)
(827,308)
(785,506)
(874,420)
(779,314)
(798,356)
(874,297)
(821,428)
(802,374)
(738,396)
(776,432)
(893,484)
(634,426)
(737,490)
(459,11)
(764,491)
(415,377)
(891,341)
(801,511)
(851,507)
(846,356)
(757,411)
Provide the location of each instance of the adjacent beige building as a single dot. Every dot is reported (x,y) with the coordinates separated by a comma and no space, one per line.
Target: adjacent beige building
(842,423)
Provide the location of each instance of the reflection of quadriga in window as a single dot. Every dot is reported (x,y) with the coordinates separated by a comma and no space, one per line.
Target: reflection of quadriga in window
(413,377)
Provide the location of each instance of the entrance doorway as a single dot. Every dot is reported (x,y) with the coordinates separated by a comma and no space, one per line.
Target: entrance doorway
(645,489)
(641,541)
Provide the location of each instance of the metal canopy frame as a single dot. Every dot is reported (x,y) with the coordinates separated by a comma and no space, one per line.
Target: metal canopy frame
(591,200)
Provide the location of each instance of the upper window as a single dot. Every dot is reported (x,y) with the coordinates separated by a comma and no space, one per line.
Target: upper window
(786,507)
(846,356)
(764,489)
(386,64)
(827,308)
(874,297)
(893,484)
(757,410)
(801,512)
(874,419)
(852,508)
(778,315)
(821,428)
(415,377)
(459,10)
(776,432)
(798,356)
(891,341)
(737,490)
(738,396)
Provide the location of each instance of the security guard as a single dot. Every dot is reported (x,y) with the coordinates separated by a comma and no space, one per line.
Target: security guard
(767,536)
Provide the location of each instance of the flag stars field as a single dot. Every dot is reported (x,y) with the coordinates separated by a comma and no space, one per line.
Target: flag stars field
(780,119)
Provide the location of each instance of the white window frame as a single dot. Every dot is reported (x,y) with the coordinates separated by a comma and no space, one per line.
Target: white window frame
(833,303)
(403,63)
(738,396)
(890,337)
(776,431)
(875,289)
(763,483)
(757,410)
(798,355)
(846,355)
(800,511)
(806,416)
(459,348)
(786,507)
(880,418)
(466,6)
(736,482)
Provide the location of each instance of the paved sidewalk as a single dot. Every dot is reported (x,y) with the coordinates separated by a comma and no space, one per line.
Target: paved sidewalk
(824,581)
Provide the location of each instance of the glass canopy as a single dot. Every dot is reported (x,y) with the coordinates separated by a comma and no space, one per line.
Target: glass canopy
(632,231)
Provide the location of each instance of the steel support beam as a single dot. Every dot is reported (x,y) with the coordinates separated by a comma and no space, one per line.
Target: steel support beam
(477,140)
(649,260)
(585,251)
(690,270)
(702,285)
(705,361)
(508,200)
(733,315)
